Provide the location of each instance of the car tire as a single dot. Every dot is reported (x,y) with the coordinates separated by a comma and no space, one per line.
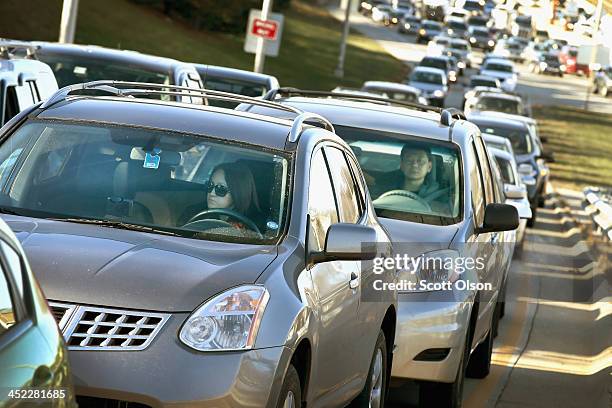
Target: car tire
(532,220)
(479,365)
(291,391)
(446,395)
(375,389)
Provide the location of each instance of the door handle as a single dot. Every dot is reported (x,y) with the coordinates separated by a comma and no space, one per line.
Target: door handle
(354,282)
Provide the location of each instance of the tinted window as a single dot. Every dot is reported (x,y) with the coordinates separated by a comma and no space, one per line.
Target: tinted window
(321,203)
(492,66)
(427,77)
(482,82)
(477,191)
(485,171)
(505,168)
(491,103)
(344,186)
(433,63)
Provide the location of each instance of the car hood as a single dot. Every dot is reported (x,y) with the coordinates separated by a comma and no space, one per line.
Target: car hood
(103,266)
(428,88)
(419,237)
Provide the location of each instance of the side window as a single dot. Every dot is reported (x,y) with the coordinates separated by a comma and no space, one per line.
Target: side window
(344,186)
(11,107)
(487,179)
(321,203)
(476,186)
(7,306)
(355,169)
(13,261)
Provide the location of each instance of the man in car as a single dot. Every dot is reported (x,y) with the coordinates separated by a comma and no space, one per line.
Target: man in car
(415,166)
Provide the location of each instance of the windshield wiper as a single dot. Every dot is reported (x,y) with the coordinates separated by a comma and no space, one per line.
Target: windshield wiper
(117,224)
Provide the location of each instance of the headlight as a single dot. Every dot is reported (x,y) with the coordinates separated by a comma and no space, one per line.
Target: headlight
(543,65)
(472,40)
(450,31)
(432,271)
(422,31)
(394,20)
(491,43)
(461,64)
(407,26)
(228,321)
(438,93)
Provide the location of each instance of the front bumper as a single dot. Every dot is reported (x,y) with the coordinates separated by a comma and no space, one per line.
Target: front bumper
(425,321)
(169,373)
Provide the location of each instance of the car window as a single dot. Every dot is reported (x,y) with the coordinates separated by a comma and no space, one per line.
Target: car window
(427,77)
(491,103)
(485,171)
(420,185)
(361,187)
(7,306)
(159,179)
(492,66)
(344,186)
(11,103)
(321,203)
(476,184)
(505,168)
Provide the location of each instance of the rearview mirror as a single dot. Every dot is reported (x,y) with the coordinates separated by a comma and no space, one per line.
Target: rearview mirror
(499,217)
(347,242)
(515,192)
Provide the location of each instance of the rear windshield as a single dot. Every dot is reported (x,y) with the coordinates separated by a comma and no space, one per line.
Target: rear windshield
(519,139)
(427,77)
(490,103)
(169,182)
(69,70)
(492,66)
(457,25)
(432,26)
(459,46)
(433,63)
(483,82)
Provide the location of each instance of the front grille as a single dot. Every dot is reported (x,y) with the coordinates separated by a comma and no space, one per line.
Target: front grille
(94,402)
(95,328)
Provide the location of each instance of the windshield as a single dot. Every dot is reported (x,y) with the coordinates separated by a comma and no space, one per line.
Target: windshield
(482,82)
(457,25)
(506,170)
(427,77)
(519,139)
(477,21)
(551,58)
(414,180)
(491,103)
(481,32)
(432,26)
(492,66)
(433,63)
(459,46)
(158,179)
(69,70)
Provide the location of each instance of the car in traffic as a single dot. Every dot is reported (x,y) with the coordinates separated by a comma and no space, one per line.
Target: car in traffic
(456,28)
(503,70)
(432,83)
(515,193)
(190,262)
(496,102)
(602,81)
(449,210)
(483,81)
(73,64)
(409,25)
(511,50)
(395,91)
(462,50)
(548,63)
(23,81)
(428,30)
(33,356)
(481,38)
(529,153)
(442,62)
(479,21)
(569,57)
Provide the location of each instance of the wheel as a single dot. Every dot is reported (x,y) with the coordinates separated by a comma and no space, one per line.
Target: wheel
(291,391)
(531,221)
(480,360)
(446,395)
(374,392)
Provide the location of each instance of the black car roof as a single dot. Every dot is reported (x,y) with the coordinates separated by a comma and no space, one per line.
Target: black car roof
(215,122)
(132,58)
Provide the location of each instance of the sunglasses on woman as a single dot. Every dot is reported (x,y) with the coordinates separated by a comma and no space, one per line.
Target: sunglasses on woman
(220,189)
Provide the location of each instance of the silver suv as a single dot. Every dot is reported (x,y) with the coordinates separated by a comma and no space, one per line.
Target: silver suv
(199,256)
(434,191)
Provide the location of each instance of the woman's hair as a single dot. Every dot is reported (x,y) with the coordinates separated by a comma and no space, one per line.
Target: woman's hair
(241,185)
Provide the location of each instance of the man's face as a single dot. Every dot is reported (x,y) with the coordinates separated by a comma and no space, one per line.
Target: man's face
(415,164)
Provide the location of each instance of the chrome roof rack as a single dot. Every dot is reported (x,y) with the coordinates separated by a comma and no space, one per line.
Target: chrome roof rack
(135,89)
(8,47)
(287,92)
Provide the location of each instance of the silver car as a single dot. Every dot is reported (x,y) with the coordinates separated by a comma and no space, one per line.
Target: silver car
(433,189)
(197,256)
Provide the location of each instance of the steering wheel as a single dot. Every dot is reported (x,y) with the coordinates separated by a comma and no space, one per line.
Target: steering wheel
(406,194)
(201,219)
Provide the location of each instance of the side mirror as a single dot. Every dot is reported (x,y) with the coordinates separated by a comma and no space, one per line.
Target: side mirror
(548,156)
(515,192)
(347,242)
(499,217)
(526,169)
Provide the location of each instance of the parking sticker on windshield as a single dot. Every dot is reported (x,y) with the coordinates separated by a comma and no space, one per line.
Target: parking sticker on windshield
(152,159)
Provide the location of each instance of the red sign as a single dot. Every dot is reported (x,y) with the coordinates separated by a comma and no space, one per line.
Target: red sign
(265,28)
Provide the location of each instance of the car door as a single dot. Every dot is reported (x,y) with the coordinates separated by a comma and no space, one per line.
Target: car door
(484,244)
(333,365)
(26,359)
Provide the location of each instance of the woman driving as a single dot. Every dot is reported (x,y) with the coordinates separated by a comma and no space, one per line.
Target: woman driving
(231,198)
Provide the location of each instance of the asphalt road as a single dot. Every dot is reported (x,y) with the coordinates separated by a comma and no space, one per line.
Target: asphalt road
(570,90)
(554,344)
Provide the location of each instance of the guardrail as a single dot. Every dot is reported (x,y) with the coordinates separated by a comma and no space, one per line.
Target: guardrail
(598,203)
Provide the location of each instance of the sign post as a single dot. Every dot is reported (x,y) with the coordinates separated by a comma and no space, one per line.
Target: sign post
(68,23)
(263,36)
